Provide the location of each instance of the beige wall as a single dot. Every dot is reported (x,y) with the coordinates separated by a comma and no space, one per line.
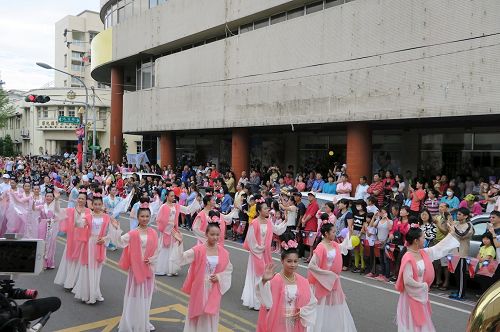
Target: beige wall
(447,79)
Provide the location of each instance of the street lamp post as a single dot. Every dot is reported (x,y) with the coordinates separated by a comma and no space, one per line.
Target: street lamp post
(46,66)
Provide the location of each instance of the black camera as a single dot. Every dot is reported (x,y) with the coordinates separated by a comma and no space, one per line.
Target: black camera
(22,257)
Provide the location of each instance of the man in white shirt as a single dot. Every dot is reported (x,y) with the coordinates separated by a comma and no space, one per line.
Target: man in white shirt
(8,166)
(362,188)
(5,185)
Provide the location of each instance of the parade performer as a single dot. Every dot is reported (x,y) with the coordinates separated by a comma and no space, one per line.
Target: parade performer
(258,243)
(416,275)
(324,275)
(110,202)
(18,208)
(209,277)
(73,225)
(138,258)
(170,242)
(208,213)
(87,287)
(48,225)
(288,303)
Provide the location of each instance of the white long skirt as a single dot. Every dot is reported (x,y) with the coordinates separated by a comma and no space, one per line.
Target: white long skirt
(404,318)
(136,306)
(249,296)
(169,258)
(203,323)
(68,272)
(88,284)
(328,313)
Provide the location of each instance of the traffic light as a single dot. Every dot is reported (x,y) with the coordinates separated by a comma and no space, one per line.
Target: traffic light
(37,99)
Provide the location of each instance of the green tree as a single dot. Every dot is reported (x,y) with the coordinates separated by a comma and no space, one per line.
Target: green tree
(8,146)
(124,148)
(1,146)
(6,108)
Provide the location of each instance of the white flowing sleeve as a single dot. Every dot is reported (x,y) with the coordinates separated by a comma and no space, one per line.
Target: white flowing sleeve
(225,278)
(325,278)
(197,231)
(346,245)
(417,290)
(279,228)
(252,243)
(192,208)
(443,248)
(187,257)
(263,293)
(184,209)
(308,312)
(116,237)
(228,218)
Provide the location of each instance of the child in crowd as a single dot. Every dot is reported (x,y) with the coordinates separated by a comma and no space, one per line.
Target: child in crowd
(371,238)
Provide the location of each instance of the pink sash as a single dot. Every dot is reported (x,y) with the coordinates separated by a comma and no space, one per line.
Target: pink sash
(259,263)
(274,319)
(163,219)
(416,307)
(204,222)
(195,281)
(132,255)
(73,234)
(100,248)
(321,253)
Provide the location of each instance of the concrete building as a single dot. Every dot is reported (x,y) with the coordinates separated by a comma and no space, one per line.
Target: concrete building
(388,84)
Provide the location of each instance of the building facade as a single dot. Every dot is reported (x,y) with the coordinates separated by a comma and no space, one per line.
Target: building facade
(387,84)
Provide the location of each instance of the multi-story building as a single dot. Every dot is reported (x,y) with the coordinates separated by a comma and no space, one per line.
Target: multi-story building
(35,128)
(388,84)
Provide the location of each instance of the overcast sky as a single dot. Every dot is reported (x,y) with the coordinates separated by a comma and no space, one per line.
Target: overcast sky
(27,36)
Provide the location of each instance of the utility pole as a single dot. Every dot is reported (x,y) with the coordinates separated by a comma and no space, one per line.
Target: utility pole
(94,132)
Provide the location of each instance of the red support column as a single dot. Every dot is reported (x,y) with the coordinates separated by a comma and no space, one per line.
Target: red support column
(240,152)
(167,149)
(116,125)
(359,152)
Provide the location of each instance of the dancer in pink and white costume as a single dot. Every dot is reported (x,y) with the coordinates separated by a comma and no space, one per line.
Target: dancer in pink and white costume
(138,258)
(170,242)
(95,238)
(324,275)
(416,276)
(74,227)
(258,243)
(209,277)
(49,225)
(288,303)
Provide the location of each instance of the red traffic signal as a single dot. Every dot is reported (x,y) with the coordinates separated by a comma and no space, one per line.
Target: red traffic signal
(37,99)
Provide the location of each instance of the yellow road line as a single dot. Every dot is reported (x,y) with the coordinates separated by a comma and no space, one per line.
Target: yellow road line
(177,294)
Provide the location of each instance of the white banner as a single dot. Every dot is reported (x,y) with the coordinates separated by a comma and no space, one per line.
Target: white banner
(137,159)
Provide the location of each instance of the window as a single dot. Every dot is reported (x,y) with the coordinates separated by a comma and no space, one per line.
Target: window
(75,82)
(314,7)
(246,27)
(92,35)
(145,74)
(71,112)
(153,3)
(65,82)
(78,37)
(281,17)
(102,113)
(261,23)
(60,113)
(65,60)
(38,113)
(75,67)
(76,55)
(332,3)
(139,146)
(45,113)
(294,13)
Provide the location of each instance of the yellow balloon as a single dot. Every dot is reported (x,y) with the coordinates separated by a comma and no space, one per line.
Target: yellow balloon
(355,241)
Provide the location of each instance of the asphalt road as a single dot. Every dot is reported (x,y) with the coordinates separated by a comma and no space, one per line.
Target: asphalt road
(372,303)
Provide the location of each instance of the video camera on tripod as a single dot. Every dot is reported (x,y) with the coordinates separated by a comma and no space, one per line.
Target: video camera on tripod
(22,257)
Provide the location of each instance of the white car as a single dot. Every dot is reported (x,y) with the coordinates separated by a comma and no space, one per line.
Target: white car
(140,175)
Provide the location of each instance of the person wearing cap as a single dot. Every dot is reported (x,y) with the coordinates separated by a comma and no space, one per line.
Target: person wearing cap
(470,203)
(5,185)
